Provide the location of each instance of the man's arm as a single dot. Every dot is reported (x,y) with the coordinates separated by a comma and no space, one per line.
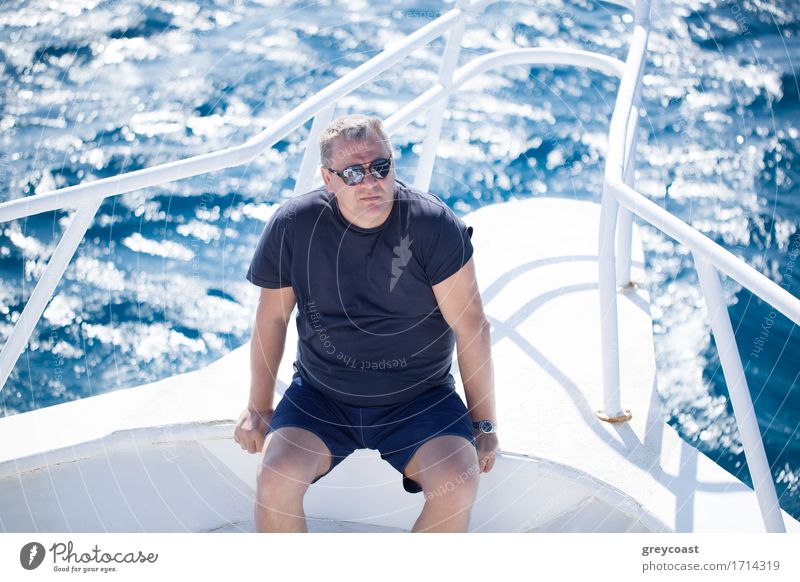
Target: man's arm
(460,303)
(267,344)
(266,349)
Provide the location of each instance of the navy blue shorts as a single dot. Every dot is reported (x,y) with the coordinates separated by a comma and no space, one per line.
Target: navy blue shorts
(396,431)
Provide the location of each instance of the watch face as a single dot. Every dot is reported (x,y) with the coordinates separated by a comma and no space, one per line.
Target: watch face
(486,426)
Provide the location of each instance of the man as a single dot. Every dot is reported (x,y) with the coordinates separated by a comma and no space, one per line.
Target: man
(385,285)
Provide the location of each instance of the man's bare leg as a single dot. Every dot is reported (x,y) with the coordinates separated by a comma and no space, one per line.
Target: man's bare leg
(291,459)
(446,468)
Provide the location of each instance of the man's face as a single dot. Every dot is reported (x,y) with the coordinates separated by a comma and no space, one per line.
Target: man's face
(368,203)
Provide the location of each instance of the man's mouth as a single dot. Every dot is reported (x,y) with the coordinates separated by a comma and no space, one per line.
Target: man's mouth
(370,198)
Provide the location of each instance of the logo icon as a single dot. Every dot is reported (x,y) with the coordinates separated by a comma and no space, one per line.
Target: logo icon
(402,256)
(31,555)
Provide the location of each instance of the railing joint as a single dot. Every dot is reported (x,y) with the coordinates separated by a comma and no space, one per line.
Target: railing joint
(624,417)
(628,287)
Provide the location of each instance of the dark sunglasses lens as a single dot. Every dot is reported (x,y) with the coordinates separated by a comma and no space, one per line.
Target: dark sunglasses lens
(353,175)
(380,168)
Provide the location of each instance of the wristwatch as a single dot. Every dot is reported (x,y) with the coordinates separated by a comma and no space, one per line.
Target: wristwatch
(484,426)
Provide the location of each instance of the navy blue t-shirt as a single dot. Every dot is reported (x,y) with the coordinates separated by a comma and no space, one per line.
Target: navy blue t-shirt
(370,332)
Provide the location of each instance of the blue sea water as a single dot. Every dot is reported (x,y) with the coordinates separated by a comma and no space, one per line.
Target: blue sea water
(95,88)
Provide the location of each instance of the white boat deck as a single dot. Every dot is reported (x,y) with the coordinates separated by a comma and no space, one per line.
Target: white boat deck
(536,262)
(539,285)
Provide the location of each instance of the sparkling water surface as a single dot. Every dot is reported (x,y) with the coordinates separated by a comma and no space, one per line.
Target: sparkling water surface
(92,89)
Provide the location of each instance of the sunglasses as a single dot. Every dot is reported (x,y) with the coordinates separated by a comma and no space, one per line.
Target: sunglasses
(355,174)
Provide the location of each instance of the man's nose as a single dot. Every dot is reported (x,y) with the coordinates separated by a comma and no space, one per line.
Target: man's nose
(369,178)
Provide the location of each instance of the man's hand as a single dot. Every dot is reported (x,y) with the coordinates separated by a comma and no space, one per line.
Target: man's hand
(251,428)
(487,445)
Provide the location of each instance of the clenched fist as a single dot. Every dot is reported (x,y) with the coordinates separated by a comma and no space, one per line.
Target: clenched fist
(251,429)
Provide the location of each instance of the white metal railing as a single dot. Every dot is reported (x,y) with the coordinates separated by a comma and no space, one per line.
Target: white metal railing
(619,195)
(619,203)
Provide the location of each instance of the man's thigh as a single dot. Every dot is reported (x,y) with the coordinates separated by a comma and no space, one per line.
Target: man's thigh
(409,429)
(297,453)
(307,427)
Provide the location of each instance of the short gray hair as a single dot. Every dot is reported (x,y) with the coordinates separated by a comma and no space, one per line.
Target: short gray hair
(355,127)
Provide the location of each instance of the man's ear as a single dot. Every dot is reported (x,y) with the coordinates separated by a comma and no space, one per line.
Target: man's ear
(325,177)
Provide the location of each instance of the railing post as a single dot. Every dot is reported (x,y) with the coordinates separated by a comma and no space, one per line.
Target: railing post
(433,126)
(310,163)
(621,139)
(625,224)
(641,16)
(741,401)
(607,287)
(45,287)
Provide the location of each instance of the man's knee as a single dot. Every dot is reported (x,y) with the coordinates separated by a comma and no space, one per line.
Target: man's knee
(456,484)
(448,471)
(292,459)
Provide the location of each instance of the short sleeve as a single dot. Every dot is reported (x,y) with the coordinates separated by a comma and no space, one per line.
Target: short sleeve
(452,249)
(272,260)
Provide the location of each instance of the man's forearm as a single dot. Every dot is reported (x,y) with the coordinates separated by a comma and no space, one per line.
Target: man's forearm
(477,372)
(266,350)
